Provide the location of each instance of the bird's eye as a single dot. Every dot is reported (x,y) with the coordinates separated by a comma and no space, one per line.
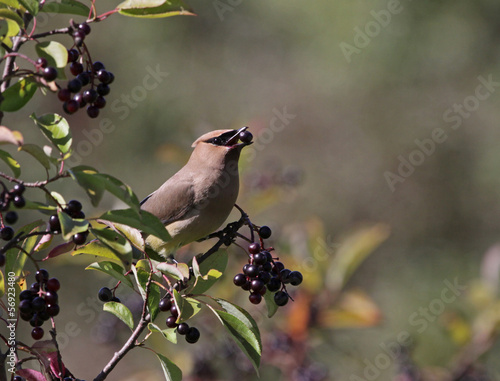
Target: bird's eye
(217,141)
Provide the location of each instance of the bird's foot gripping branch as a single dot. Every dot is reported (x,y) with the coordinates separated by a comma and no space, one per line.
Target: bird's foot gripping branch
(172,294)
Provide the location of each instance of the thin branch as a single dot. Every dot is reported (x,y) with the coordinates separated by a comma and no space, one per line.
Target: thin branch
(131,342)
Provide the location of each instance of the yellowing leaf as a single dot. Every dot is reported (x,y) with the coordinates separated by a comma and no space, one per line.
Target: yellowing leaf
(354,310)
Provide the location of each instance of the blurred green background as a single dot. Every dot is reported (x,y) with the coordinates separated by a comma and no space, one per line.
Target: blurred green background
(352,118)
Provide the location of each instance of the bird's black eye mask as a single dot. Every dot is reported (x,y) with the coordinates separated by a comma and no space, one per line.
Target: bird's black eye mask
(227,138)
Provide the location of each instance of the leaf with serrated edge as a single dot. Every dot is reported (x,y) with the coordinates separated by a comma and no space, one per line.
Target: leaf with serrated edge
(170,370)
(111,269)
(121,312)
(168,333)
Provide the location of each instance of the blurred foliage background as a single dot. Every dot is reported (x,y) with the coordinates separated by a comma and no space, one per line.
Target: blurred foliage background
(318,181)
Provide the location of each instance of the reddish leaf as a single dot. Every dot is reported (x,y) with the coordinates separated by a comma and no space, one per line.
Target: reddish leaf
(60,249)
(31,375)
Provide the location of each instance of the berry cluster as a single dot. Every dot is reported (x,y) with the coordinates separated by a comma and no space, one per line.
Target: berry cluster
(263,273)
(74,210)
(76,94)
(14,196)
(106,295)
(192,334)
(39,303)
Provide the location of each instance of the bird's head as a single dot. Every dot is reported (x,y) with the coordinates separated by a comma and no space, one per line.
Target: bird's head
(220,147)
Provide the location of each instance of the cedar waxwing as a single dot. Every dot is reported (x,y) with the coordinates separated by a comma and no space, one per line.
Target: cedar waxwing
(197,200)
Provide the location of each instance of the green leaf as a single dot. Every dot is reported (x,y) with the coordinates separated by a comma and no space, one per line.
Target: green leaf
(38,153)
(116,242)
(143,221)
(56,129)
(121,312)
(271,305)
(111,269)
(153,8)
(11,15)
(95,183)
(8,28)
(99,249)
(30,5)
(243,329)
(170,370)
(15,259)
(35,205)
(71,7)
(11,162)
(11,3)
(142,278)
(168,333)
(94,187)
(188,308)
(209,271)
(54,52)
(17,95)
(179,271)
(71,226)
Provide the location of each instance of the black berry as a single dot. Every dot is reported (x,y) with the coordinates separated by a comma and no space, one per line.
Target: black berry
(73,206)
(278,266)
(165,304)
(93,111)
(49,73)
(38,304)
(42,62)
(174,311)
(2,259)
(84,27)
(64,95)
(281,298)
(295,278)
(255,298)
(105,294)
(285,276)
(51,297)
(103,76)
(53,285)
(76,68)
(54,223)
(239,280)
(42,276)
(73,55)
(52,309)
(90,95)
(103,89)
(25,306)
(84,78)
(257,285)
(183,328)
(254,248)
(75,85)
(252,270)
(265,232)
(98,65)
(193,335)
(10,217)
(246,136)
(274,284)
(70,106)
(259,258)
(7,233)
(37,333)
(100,102)
(19,201)
(18,189)
(171,322)
(116,299)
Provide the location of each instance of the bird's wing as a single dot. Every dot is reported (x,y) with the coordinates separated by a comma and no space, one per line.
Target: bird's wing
(171,201)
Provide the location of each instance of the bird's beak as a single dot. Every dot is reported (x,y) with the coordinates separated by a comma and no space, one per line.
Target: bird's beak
(234,139)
